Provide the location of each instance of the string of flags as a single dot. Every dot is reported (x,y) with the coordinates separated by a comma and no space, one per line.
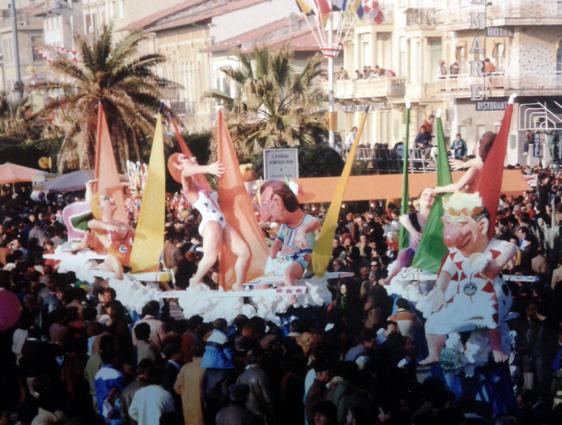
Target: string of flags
(50,54)
(364,9)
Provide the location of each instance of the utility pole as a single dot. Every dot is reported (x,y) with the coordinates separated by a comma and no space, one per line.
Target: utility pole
(18,85)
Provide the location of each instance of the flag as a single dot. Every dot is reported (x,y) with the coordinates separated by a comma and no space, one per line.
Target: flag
(339,5)
(305,7)
(49,53)
(200,179)
(373,11)
(149,235)
(109,183)
(324,7)
(404,237)
(432,249)
(357,6)
(238,212)
(322,253)
(490,179)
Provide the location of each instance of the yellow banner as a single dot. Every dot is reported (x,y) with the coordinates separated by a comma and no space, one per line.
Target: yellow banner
(149,236)
(323,248)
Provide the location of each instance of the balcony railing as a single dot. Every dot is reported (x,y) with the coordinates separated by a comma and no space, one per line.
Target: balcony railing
(384,160)
(372,87)
(502,12)
(421,17)
(183,107)
(497,83)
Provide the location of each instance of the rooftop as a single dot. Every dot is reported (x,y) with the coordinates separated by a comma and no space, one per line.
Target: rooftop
(292,31)
(189,12)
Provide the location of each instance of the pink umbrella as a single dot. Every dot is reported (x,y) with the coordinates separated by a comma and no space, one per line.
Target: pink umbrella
(10,309)
(13,173)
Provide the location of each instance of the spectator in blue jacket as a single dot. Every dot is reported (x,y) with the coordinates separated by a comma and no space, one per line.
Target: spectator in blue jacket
(109,382)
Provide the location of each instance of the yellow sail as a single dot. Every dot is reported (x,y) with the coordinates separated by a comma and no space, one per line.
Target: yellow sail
(322,252)
(149,235)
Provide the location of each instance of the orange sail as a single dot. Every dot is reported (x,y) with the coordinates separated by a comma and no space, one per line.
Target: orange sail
(106,168)
(238,211)
(490,179)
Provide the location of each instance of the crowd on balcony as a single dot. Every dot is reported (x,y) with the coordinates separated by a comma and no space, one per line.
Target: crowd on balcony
(453,70)
(366,73)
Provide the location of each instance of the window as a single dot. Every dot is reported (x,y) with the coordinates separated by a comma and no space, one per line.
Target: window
(402,68)
(365,43)
(460,55)
(436,53)
(7,50)
(559,59)
(36,41)
(498,53)
(121,13)
(383,48)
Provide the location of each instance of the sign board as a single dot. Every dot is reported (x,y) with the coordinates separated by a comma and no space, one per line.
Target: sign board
(363,107)
(537,149)
(280,163)
(491,105)
(498,32)
(38,182)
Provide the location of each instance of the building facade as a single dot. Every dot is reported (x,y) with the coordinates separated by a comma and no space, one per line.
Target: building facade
(464,57)
(186,33)
(30,35)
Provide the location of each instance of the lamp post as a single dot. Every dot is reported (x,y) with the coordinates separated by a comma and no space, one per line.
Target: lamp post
(331,99)
(18,85)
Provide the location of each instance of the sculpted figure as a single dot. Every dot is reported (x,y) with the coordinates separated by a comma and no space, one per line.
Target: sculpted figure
(295,238)
(106,235)
(414,223)
(213,227)
(465,296)
(470,179)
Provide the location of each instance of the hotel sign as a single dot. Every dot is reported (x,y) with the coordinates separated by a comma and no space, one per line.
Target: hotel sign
(498,32)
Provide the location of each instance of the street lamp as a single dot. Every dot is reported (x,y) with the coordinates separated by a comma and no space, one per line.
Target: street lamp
(18,85)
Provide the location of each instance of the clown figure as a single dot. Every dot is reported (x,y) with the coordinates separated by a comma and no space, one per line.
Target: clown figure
(465,296)
(295,238)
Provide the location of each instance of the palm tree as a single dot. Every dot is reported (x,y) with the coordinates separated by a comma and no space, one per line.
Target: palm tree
(115,76)
(15,122)
(274,105)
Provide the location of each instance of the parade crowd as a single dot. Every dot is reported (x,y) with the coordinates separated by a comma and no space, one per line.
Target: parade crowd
(77,356)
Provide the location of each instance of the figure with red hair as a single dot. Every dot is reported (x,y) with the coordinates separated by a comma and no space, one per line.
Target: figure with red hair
(213,227)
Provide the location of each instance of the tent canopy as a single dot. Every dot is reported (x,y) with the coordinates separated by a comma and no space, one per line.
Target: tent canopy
(70,182)
(13,173)
(73,181)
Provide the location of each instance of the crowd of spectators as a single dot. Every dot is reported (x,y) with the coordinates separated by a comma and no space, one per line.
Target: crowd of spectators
(77,356)
(365,73)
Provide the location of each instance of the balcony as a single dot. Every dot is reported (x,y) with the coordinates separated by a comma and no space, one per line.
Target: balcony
(499,84)
(421,18)
(183,107)
(382,87)
(500,13)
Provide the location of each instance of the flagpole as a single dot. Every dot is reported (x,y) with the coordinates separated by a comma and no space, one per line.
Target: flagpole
(404,206)
(331,101)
